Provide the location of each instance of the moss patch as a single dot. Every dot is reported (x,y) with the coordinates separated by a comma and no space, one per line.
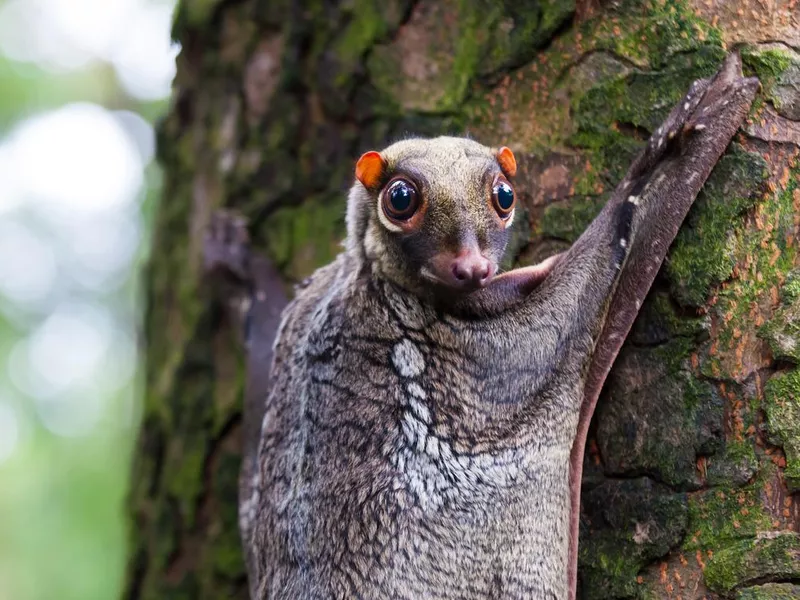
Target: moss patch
(778,68)
(735,466)
(770,591)
(567,220)
(720,516)
(704,252)
(753,560)
(782,407)
(461,41)
(659,321)
(626,525)
(670,46)
(782,331)
(765,63)
(765,252)
(790,292)
(302,238)
(655,417)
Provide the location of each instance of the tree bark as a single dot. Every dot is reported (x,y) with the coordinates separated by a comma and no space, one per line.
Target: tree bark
(694,451)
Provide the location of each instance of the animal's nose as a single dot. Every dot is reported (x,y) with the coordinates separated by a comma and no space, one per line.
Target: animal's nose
(470,268)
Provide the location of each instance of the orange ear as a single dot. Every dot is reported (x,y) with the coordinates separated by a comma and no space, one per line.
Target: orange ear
(369,169)
(507,161)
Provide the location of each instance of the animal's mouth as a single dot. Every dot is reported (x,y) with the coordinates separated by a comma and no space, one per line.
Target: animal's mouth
(466,270)
(499,292)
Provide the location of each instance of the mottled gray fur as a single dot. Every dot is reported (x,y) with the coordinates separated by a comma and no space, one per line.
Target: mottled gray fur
(416,442)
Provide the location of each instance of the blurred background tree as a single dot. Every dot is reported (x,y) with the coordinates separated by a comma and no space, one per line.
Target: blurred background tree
(81,83)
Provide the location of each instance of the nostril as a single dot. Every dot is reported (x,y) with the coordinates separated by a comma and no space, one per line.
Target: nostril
(459,272)
(482,272)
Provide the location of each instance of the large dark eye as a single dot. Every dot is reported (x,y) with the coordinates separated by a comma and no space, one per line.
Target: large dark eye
(503,198)
(400,200)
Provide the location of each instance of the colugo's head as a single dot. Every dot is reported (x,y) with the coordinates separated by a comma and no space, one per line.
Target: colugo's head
(433,214)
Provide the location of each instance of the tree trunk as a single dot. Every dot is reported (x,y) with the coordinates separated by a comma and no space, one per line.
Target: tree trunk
(695,448)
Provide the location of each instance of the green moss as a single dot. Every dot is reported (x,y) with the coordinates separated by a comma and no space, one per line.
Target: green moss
(650,33)
(658,321)
(614,117)
(720,516)
(475,27)
(612,571)
(567,220)
(782,331)
(770,63)
(633,522)
(522,29)
(790,292)
(673,354)
(610,152)
(226,550)
(735,466)
(192,13)
(782,408)
(766,250)
(302,238)
(656,416)
(643,99)
(365,25)
(766,64)
(748,561)
(580,101)
(463,41)
(770,591)
(704,252)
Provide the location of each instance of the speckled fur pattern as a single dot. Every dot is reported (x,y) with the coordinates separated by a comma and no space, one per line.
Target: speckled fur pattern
(412,456)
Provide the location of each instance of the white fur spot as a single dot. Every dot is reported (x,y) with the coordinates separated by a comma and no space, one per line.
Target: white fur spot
(432,447)
(407,359)
(420,410)
(623,243)
(686,106)
(699,127)
(415,431)
(416,390)
(634,200)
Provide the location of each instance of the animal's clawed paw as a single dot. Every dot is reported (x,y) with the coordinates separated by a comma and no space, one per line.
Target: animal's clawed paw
(226,248)
(707,103)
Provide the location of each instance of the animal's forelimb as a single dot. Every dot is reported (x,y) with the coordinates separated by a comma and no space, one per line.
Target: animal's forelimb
(657,192)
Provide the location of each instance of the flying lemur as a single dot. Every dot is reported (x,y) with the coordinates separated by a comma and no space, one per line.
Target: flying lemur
(417,428)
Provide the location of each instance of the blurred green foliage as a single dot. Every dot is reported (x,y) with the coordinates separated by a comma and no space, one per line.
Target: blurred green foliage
(63,517)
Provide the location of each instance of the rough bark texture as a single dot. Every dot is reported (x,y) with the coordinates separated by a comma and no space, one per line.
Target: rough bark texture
(695,448)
